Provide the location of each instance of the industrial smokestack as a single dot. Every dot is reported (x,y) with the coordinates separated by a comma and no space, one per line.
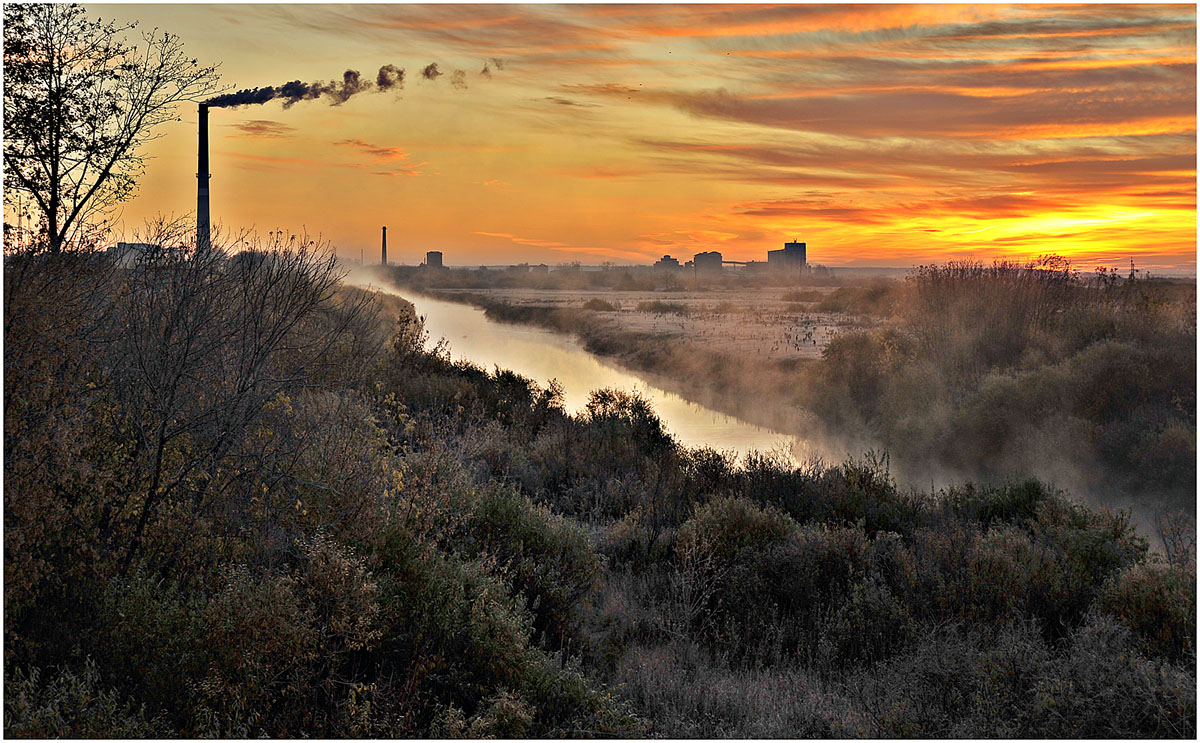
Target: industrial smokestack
(203,233)
(385,246)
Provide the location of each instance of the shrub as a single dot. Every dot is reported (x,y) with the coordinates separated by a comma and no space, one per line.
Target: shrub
(72,705)
(1014,502)
(1084,549)
(1157,602)
(964,575)
(152,636)
(958,681)
(868,626)
(1102,687)
(455,638)
(755,584)
(261,647)
(874,299)
(503,716)
(627,541)
(725,529)
(546,558)
(599,305)
(629,415)
(864,491)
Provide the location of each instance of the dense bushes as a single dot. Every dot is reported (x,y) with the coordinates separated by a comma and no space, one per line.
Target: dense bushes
(1158,602)
(72,705)
(1010,683)
(412,547)
(981,369)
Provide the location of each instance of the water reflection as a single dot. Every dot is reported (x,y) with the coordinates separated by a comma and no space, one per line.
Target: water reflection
(542,355)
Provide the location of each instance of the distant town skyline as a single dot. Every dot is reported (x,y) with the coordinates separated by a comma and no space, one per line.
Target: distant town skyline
(879,135)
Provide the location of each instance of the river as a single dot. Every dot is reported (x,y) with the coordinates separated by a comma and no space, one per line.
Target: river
(543,355)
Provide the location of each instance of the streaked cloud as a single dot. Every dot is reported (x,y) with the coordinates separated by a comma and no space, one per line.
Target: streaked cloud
(883,134)
(263,128)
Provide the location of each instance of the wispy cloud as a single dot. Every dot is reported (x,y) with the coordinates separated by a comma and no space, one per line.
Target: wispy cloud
(263,129)
(396,160)
(523,240)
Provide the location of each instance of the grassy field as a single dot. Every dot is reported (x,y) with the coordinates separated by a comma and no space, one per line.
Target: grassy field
(763,323)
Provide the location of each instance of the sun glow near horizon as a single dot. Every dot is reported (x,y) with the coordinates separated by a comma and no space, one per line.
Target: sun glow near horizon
(880,135)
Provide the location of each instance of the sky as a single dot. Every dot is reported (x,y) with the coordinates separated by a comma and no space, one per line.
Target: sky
(880,135)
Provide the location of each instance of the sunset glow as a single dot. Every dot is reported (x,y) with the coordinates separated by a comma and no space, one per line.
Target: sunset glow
(880,135)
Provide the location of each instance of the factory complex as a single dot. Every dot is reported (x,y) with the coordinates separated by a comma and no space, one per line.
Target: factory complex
(792,257)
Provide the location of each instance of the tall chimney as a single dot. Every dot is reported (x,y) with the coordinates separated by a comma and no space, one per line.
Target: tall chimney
(385,246)
(203,232)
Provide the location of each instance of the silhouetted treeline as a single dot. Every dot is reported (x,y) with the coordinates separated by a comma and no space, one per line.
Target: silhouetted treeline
(242,499)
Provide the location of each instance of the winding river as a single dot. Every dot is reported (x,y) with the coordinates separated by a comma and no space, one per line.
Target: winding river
(543,355)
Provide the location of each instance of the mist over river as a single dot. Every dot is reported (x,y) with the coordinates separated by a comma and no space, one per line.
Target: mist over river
(543,355)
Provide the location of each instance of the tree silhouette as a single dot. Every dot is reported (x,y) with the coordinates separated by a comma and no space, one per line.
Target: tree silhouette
(79,102)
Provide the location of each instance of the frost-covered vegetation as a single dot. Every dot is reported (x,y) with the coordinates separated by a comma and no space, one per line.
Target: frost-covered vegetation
(242,499)
(1009,367)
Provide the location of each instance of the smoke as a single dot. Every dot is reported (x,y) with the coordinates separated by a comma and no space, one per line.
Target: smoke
(337,92)
(458,78)
(390,76)
(488,64)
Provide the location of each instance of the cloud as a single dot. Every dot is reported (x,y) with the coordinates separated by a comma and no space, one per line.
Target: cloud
(263,129)
(560,101)
(375,151)
(394,158)
(523,240)
(931,113)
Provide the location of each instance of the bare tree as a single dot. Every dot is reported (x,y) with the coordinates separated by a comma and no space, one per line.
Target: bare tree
(79,102)
(205,341)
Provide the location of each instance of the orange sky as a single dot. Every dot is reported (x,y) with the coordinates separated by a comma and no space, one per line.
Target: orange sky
(880,135)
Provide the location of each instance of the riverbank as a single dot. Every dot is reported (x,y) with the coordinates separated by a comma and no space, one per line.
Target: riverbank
(739,352)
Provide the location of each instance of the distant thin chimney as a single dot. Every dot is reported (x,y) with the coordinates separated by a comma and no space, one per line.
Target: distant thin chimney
(385,246)
(203,232)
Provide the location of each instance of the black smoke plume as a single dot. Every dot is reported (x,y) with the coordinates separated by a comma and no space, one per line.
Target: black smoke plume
(389,77)
(431,72)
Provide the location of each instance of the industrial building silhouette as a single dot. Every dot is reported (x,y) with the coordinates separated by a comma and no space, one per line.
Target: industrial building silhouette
(793,257)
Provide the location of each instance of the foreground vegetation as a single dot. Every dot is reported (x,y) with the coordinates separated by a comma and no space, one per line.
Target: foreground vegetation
(242,499)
